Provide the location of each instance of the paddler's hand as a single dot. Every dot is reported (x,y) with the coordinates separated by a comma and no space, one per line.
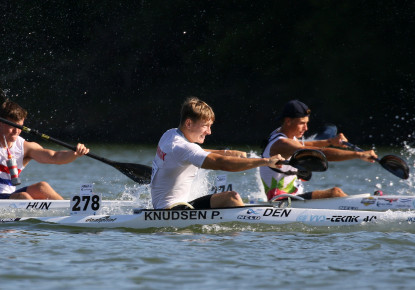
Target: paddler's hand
(337,141)
(368,156)
(273,160)
(81,150)
(235,153)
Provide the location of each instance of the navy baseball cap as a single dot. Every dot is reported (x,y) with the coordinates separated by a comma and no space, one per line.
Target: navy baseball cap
(294,109)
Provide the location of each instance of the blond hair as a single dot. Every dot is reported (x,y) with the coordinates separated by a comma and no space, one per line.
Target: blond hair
(195,110)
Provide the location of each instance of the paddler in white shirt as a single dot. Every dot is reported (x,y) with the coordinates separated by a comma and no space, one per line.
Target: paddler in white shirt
(178,158)
(286,140)
(22,151)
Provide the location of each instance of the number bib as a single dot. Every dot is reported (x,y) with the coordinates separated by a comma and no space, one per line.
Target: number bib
(86,202)
(221,185)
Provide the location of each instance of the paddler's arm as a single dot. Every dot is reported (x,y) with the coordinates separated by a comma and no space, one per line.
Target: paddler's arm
(36,152)
(334,154)
(286,147)
(226,152)
(228,163)
(336,141)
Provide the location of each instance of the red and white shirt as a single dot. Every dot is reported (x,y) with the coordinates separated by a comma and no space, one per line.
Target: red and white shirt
(175,166)
(17,151)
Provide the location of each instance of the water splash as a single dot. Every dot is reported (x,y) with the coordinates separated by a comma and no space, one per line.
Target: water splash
(408,152)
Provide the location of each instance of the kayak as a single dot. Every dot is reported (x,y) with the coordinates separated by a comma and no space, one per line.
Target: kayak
(46,204)
(249,214)
(364,201)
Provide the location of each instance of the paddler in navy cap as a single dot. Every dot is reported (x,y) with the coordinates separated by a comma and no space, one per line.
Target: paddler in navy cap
(285,140)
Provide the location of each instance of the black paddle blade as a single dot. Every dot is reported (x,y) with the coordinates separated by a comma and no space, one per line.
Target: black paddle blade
(395,165)
(304,175)
(137,172)
(309,160)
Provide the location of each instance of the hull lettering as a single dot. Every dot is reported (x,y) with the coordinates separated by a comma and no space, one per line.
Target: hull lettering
(180,215)
(38,205)
(279,212)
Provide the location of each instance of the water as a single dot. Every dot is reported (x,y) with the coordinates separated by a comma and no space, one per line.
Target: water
(230,256)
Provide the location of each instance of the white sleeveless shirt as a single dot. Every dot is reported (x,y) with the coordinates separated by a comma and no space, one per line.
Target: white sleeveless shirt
(17,151)
(175,166)
(278,183)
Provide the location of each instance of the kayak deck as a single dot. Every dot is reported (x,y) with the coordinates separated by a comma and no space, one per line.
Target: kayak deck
(252,214)
(355,202)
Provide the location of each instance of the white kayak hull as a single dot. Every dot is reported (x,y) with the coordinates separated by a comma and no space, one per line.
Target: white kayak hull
(255,214)
(352,202)
(46,204)
(357,202)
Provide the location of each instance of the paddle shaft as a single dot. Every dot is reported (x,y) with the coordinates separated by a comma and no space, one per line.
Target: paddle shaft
(48,138)
(355,148)
(137,172)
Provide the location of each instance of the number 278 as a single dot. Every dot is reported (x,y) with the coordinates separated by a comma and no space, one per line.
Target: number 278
(85,199)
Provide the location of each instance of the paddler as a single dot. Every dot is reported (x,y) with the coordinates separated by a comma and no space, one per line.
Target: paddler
(178,158)
(286,139)
(15,148)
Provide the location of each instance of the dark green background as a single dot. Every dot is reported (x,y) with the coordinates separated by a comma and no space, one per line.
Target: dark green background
(118,72)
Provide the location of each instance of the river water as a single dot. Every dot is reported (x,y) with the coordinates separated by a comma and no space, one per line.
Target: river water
(207,257)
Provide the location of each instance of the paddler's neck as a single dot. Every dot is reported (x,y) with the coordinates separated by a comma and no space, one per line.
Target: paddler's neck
(181,131)
(284,130)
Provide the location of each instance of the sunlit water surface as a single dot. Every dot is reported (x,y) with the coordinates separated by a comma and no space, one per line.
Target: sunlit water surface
(230,256)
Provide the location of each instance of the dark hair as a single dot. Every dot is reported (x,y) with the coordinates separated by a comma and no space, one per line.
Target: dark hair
(3,97)
(11,110)
(195,109)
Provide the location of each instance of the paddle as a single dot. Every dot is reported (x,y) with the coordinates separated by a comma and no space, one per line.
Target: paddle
(307,160)
(137,172)
(391,163)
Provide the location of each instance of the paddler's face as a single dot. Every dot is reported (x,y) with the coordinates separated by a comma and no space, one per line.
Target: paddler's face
(197,131)
(11,133)
(297,126)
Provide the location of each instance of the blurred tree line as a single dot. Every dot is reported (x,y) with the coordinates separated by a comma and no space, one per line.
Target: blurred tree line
(118,71)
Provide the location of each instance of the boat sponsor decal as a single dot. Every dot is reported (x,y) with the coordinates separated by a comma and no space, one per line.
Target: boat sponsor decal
(248,217)
(405,200)
(181,215)
(368,200)
(333,219)
(411,219)
(251,214)
(254,211)
(7,220)
(386,202)
(344,218)
(278,212)
(344,207)
(311,218)
(105,219)
(405,203)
